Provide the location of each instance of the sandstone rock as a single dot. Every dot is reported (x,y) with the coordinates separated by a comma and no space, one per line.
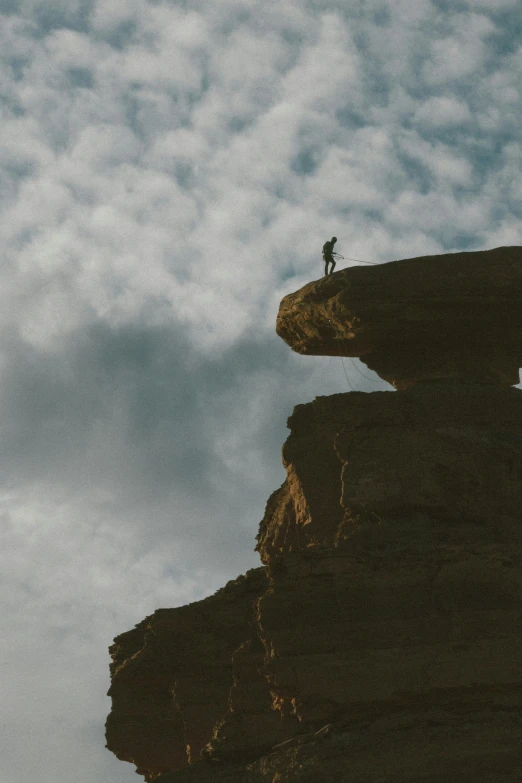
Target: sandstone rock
(410,751)
(172,676)
(439,461)
(451,316)
(382,638)
(353,638)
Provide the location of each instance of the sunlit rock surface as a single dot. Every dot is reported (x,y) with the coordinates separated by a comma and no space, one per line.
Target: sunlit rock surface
(381,640)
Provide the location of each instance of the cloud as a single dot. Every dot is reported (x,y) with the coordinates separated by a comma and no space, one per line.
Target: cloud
(462,53)
(134,476)
(491,5)
(169,171)
(443,112)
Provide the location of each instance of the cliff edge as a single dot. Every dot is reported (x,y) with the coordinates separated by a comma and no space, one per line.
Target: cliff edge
(381,639)
(453,316)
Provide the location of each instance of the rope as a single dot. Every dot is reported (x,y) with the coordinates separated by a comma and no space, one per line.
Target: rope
(358,370)
(344,368)
(357,260)
(365,376)
(360,261)
(346,374)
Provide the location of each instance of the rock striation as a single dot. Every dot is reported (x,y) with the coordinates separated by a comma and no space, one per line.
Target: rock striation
(381,640)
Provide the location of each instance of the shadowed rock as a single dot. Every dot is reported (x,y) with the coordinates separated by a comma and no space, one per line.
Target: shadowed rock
(439,461)
(452,316)
(382,638)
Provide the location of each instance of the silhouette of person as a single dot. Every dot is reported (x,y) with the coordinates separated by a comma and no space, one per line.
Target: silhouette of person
(328,255)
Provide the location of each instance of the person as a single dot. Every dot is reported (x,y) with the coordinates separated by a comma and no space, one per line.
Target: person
(328,255)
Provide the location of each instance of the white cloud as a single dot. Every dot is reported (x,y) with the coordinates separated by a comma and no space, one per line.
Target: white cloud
(491,5)
(461,54)
(68,49)
(442,112)
(507,234)
(438,159)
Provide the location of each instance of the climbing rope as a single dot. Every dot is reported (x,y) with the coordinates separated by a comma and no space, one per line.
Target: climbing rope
(345,373)
(360,261)
(358,370)
(357,260)
(344,368)
(365,376)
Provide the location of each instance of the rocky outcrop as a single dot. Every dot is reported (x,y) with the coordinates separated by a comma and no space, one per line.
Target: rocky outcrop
(382,637)
(172,677)
(452,316)
(437,460)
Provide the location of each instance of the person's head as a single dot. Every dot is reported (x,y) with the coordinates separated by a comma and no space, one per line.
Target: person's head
(334,240)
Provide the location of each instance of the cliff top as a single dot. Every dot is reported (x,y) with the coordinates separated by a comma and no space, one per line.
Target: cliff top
(455,316)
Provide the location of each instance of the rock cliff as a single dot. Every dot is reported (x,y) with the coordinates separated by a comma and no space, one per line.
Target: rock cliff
(454,316)
(381,640)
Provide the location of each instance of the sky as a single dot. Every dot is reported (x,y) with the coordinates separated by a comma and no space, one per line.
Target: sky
(168,172)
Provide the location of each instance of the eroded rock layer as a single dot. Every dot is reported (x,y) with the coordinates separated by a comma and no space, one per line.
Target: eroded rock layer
(450,316)
(381,640)
(419,746)
(439,460)
(391,593)
(172,676)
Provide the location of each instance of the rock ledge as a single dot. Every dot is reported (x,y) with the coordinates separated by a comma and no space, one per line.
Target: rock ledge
(435,317)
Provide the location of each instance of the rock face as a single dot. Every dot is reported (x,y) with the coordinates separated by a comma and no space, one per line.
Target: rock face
(438,460)
(382,638)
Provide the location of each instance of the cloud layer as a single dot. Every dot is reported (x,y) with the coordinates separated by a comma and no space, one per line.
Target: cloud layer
(168,171)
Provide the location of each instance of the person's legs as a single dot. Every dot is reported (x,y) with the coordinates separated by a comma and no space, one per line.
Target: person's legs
(326,262)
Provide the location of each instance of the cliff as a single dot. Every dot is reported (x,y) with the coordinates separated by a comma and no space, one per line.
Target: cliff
(454,316)
(381,640)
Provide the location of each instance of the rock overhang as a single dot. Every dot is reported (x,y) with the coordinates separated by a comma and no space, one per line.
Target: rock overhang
(454,316)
